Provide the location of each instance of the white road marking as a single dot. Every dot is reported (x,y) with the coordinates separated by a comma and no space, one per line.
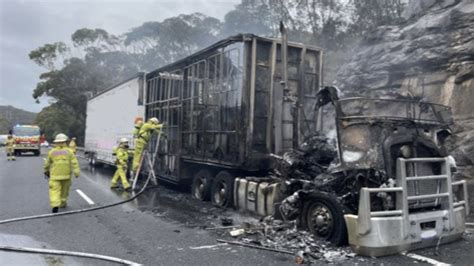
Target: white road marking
(210,246)
(85,197)
(426,259)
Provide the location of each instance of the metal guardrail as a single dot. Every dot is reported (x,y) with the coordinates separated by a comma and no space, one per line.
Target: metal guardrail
(402,199)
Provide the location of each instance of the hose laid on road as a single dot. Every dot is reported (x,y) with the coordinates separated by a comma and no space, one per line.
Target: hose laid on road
(68,253)
(73,253)
(99,207)
(47,215)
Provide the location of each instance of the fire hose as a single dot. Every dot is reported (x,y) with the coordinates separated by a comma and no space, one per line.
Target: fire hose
(81,254)
(72,253)
(68,253)
(47,215)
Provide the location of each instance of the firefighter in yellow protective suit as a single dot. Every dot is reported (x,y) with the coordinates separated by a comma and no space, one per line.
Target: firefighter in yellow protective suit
(60,165)
(136,128)
(73,145)
(153,125)
(10,148)
(121,162)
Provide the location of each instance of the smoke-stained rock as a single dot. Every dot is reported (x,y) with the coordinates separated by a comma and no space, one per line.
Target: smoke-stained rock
(430,57)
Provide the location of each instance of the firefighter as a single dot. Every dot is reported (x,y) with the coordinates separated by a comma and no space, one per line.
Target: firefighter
(73,145)
(136,128)
(144,135)
(10,148)
(121,162)
(59,166)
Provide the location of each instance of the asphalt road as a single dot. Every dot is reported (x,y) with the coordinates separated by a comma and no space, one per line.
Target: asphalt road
(164,226)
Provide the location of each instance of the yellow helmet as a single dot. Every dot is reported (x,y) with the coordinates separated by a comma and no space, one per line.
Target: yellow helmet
(60,138)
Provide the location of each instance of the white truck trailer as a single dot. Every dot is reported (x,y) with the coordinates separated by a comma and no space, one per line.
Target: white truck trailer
(110,116)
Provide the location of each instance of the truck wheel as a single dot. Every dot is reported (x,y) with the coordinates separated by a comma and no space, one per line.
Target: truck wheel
(222,189)
(37,153)
(323,216)
(201,187)
(94,161)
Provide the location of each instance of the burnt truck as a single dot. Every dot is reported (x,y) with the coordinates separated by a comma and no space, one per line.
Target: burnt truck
(236,111)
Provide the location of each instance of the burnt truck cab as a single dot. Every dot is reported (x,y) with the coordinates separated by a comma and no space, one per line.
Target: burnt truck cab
(391,181)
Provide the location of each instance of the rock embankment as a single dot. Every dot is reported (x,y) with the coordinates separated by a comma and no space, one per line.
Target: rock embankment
(430,57)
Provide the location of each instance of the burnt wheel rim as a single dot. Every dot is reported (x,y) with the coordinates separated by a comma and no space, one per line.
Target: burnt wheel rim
(220,193)
(320,220)
(199,188)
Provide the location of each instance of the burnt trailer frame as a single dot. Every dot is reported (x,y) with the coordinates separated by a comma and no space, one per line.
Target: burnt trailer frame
(226,107)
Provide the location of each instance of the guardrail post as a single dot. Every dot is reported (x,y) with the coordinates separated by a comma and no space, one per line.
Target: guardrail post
(363,219)
(402,202)
(466,197)
(449,189)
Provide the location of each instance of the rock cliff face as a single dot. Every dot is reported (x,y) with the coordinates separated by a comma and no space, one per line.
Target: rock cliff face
(430,57)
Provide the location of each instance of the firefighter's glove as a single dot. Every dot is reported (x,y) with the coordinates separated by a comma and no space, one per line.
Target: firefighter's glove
(46,175)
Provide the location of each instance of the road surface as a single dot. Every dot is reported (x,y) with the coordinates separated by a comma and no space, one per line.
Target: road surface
(162,227)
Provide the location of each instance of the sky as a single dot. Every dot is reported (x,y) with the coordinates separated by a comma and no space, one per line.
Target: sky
(27,24)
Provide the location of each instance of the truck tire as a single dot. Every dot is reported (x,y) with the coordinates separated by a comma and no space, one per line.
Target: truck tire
(201,186)
(94,162)
(323,216)
(37,153)
(222,192)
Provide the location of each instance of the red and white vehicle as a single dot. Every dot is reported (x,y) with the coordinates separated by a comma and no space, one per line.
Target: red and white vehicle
(27,139)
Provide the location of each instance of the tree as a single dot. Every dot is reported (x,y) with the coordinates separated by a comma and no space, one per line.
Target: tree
(48,54)
(159,43)
(369,15)
(56,119)
(249,17)
(102,59)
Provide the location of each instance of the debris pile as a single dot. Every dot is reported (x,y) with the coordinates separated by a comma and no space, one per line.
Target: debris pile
(278,236)
(312,158)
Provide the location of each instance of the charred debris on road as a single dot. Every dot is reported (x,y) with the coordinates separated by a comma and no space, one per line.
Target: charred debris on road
(283,237)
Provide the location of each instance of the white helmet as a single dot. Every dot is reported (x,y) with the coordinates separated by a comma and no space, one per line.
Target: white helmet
(60,138)
(154,120)
(123,140)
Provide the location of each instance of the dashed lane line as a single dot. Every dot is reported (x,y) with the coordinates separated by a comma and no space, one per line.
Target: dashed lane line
(426,259)
(85,197)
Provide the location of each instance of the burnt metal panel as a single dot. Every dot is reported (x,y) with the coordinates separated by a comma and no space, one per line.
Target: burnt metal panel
(226,105)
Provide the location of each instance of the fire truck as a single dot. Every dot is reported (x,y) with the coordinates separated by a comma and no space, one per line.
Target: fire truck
(27,139)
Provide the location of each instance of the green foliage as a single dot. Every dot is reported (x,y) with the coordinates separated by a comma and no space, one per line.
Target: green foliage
(371,14)
(102,59)
(158,43)
(56,119)
(250,17)
(47,54)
